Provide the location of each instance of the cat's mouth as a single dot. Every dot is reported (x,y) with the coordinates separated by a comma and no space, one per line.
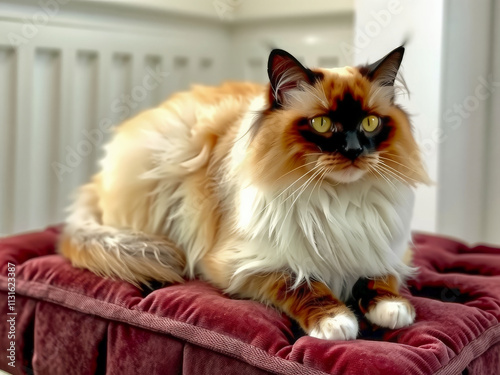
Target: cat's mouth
(343,170)
(347,174)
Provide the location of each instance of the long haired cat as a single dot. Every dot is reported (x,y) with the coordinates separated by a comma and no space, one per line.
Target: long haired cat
(293,193)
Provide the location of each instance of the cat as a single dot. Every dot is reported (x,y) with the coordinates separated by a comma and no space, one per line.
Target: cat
(296,194)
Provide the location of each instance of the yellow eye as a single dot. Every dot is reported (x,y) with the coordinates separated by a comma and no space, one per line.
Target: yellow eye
(370,123)
(321,124)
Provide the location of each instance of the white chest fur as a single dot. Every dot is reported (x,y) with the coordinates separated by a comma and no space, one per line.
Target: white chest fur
(334,233)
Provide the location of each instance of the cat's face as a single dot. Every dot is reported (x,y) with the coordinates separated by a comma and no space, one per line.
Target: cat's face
(336,124)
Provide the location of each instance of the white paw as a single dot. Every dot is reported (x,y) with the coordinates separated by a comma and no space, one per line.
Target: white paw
(339,327)
(392,314)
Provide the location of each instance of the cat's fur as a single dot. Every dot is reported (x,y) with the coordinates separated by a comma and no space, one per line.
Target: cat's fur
(231,185)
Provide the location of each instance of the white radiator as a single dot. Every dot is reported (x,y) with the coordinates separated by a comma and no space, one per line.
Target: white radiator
(62,90)
(67,77)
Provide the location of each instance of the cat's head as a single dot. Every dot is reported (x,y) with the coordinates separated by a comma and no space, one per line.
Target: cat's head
(338,124)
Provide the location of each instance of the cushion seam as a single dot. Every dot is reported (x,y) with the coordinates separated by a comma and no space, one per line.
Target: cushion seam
(450,366)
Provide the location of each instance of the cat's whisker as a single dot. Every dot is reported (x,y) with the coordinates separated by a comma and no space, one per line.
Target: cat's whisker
(385,152)
(374,169)
(304,185)
(316,169)
(303,188)
(314,186)
(381,168)
(374,173)
(401,164)
(285,190)
(396,190)
(403,176)
(300,166)
(313,154)
(320,181)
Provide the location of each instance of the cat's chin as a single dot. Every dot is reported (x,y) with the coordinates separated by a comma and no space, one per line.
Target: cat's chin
(347,175)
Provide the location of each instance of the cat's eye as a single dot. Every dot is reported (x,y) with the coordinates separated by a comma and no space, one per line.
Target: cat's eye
(370,123)
(321,124)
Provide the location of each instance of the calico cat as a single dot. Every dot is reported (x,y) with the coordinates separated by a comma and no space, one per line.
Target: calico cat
(289,193)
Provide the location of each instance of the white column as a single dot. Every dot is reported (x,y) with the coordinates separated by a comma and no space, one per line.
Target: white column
(465,105)
(491,225)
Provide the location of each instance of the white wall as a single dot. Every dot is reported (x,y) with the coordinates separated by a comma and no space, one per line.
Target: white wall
(262,10)
(382,25)
(491,224)
(314,40)
(469,202)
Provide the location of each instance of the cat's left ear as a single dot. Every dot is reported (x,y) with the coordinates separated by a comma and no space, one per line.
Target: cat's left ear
(384,71)
(285,73)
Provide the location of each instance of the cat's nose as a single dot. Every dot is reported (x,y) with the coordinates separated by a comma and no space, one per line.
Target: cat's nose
(351,153)
(352,148)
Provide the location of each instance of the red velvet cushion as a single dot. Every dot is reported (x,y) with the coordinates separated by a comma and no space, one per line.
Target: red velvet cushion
(72,321)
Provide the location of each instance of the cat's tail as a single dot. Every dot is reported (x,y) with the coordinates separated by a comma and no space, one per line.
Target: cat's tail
(117,253)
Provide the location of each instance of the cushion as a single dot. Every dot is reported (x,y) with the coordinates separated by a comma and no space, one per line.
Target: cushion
(70,321)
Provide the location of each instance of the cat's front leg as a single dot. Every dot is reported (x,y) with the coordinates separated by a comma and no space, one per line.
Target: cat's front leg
(380,301)
(313,305)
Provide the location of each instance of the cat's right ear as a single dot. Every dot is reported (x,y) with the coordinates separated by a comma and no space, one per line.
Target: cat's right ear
(285,73)
(384,71)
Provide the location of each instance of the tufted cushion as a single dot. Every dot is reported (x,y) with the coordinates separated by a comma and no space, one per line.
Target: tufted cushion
(70,321)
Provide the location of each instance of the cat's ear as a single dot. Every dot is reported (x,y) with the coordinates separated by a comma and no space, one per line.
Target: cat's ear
(285,73)
(384,71)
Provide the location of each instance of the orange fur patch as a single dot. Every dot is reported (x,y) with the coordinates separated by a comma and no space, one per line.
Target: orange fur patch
(307,303)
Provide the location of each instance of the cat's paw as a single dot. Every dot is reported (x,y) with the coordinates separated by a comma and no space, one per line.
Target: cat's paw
(339,327)
(392,314)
